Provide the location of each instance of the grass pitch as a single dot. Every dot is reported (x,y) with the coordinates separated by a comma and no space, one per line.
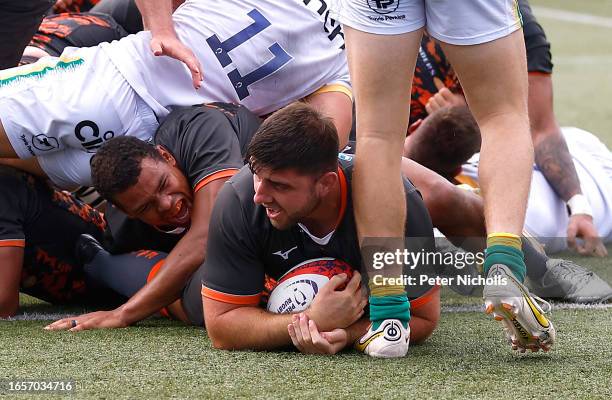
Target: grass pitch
(465,358)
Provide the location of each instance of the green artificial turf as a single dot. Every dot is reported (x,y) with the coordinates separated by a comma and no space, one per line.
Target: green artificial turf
(466,357)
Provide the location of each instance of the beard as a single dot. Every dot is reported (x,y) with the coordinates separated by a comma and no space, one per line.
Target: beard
(289,220)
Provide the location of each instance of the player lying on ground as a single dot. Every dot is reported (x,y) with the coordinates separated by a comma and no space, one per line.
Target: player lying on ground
(250,56)
(38,229)
(171,189)
(288,202)
(433,74)
(448,137)
(452,131)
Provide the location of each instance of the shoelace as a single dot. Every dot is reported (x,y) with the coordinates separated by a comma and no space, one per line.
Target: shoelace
(567,268)
(542,304)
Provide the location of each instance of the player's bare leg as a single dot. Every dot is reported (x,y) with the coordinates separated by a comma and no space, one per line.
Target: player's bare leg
(494,78)
(381,72)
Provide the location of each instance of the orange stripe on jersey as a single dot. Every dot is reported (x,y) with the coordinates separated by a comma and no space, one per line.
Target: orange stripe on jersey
(155,270)
(334,88)
(163,311)
(539,73)
(248,300)
(425,298)
(225,173)
(343,196)
(12,243)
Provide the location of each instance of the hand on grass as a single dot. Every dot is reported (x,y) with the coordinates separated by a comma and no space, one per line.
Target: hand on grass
(94,320)
(581,226)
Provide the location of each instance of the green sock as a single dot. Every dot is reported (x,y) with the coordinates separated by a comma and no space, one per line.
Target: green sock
(389,307)
(507,255)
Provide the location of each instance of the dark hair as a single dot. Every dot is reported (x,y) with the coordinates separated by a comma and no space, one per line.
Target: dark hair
(117,164)
(297,137)
(450,137)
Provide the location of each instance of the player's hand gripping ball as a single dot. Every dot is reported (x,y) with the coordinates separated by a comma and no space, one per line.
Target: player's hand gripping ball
(298,287)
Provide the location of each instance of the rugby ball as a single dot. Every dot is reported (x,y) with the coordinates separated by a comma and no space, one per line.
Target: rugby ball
(297,288)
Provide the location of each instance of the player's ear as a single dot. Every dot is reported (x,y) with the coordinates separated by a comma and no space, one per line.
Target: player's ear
(166,155)
(327,181)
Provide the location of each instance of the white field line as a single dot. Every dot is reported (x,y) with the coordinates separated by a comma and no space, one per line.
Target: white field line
(38,317)
(555,306)
(570,16)
(446,309)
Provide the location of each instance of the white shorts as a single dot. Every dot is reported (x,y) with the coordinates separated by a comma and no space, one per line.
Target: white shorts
(459,22)
(70,105)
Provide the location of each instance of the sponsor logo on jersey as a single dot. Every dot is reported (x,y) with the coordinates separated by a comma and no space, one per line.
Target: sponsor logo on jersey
(45,143)
(88,133)
(383,6)
(284,254)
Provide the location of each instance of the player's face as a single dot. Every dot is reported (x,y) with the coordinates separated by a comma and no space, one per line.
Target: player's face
(162,196)
(288,196)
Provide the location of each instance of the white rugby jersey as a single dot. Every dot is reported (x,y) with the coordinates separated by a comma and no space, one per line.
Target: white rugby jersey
(547,216)
(263,54)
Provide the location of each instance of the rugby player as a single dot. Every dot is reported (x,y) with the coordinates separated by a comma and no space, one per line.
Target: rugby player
(449,137)
(250,54)
(168,191)
(548,213)
(484,41)
(294,198)
(38,229)
(552,157)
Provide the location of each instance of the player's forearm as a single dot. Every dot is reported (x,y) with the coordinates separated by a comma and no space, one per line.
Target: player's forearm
(157,16)
(554,160)
(166,287)
(357,330)
(249,328)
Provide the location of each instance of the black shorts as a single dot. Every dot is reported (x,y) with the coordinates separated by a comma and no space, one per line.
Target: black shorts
(539,58)
(19,20)
(192,298)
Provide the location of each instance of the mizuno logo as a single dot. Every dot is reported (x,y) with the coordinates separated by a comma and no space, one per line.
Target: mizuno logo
(285,254)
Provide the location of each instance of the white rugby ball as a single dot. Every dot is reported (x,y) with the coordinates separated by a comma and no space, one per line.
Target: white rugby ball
(299,286)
